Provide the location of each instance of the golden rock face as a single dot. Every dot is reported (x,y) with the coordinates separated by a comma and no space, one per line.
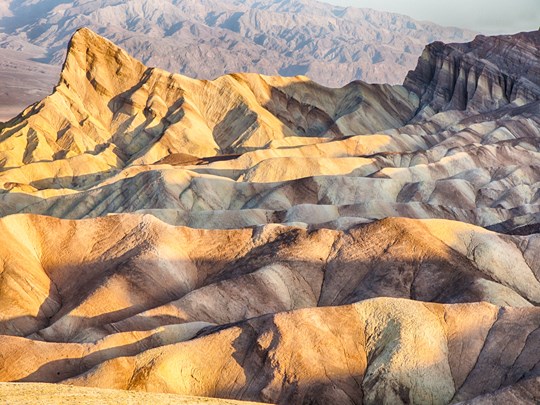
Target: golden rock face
(266,239)
(106,98)
(330,44)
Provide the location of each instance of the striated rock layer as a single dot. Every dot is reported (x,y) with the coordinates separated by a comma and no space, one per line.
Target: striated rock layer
(369,244)
(246,149)
(140,308)
(483,75)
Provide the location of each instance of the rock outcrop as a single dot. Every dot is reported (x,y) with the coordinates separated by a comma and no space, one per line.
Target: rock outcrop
(481,76)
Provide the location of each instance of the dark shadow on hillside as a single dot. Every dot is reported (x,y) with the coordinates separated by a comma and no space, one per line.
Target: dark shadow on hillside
(14,202)
(80,182)
(183,159)
(238,123)
(312,116)
(123,104)
(389,258)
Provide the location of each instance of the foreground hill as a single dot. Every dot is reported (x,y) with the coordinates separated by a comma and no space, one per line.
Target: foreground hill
(136,265)
(28,394)
(367,352)
(336,248)
(332,45)
(140,307)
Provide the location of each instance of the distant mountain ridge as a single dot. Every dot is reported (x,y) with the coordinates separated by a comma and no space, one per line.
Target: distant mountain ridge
(205,39)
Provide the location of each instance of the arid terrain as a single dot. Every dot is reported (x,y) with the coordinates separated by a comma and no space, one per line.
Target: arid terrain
(332,45)
(269,239)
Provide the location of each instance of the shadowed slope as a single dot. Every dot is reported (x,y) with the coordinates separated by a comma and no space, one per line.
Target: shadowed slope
(361,353)
(137,273)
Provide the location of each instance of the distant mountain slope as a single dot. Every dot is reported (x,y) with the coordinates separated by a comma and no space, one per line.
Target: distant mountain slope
(205,39)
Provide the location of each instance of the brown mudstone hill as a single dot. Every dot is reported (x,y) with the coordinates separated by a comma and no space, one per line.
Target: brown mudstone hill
(146,306)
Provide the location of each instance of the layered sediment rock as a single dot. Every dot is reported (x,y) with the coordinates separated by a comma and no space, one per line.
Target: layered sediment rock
(299,278)
(249,149)
(481,76)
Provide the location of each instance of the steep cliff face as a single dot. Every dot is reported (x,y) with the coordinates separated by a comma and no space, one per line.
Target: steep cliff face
(479,76)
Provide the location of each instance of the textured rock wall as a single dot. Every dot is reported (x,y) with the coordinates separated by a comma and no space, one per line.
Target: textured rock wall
(483,75)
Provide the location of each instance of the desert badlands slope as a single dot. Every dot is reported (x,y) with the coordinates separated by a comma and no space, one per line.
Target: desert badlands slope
(333,45)
(270,239)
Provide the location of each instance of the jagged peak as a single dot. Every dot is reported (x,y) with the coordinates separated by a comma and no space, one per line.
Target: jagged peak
(106,97)
(482,75)
(95,56)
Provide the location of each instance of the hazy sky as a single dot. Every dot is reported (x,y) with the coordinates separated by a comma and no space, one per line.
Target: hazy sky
(486,16)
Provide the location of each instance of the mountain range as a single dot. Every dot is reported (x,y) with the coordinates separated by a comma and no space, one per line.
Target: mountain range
(265,238)
(206,39)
